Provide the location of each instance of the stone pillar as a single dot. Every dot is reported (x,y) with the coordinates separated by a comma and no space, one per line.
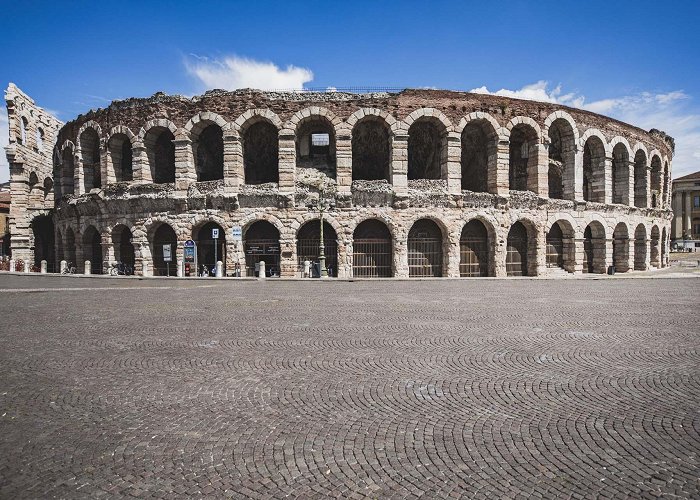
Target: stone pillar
(579,256)
(630,254)
(288,257)
(500,251)
(88,267)
(630,185)
(107,252)
(78,175)
(677,206)
(142,254)
(453,255)
(261,269)
(687,213)
(399,164)
(234,174)
(343,155)
(105,178)
(142,169)
(185,172)
(540,254)
(609,242)
(647,184)
(287,161)
(44,266)
(538,170)
(577,193)
(498,169)
(454,166)
(64,266)
(608,163)
(219,269)
(13,265)
(401,258)
(27,266)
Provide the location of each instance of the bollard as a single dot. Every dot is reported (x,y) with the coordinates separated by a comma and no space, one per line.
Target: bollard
(12,265)
(27,267)
(261,273)
(219,269)
(180,269)
(44,266)
(64,266)
(307,269)
(144,271)
(88,267)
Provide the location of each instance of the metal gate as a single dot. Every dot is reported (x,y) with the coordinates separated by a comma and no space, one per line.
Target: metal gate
(555,252)
(473,258)
(265,250)
(587,255)
(424,257)
(307,249)
(516,257)
(372,258)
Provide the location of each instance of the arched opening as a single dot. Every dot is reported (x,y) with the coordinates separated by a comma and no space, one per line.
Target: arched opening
(522,158)
(640,248)
(425,249)
(309,241)
(556,242)
(208,151)
(261,153)
(261,242)
(92,249)
(70,250)
(562,159)
(479,154)
(621,246)
(655,181)
(163,235)
(315,145)
(474,250)
(48,191)
(160,151)
(654,244)
(517,250)
(67,172)
(372,250)
(594,170)
(44,247)
(121,157)
(123,246)
(620,174)
(371,150)
(39,139)
(665,190)
(23,127)
(594,248)
(209,249)
(664,246)
(90,153)
(640,179)
(427,150)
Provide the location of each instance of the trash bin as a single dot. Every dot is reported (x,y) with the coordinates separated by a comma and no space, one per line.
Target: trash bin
(316,270)
(611,270)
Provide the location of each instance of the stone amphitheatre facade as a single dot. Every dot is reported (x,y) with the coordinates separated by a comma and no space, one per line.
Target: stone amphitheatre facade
(414,183)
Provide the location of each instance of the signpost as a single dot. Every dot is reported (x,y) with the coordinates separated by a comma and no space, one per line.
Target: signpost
(167,256)
(215,237)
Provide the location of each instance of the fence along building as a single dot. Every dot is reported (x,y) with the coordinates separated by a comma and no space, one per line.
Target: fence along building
(414,183)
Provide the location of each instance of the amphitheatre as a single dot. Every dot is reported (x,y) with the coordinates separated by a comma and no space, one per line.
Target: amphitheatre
(413,183)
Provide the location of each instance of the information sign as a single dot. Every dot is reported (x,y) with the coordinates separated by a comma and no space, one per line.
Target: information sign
(237,233)
(215,233)
(167,253)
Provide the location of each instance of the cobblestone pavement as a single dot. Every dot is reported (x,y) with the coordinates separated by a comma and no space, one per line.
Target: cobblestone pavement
(477,388)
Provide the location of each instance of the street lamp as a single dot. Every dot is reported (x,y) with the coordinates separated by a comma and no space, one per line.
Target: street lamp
(321,242)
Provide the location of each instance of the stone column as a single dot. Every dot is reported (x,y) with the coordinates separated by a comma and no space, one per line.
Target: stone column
(608,165)
(343,156)
(142,254)
(687,213)
(453,255)
(609,242)
(399,164)
(185,172)
(288,258)
(540,254)
(454,167)
(500,251)
(234,174)
(538,170)
(498,169)
(401,258)
(287,161)
(630,185)
(105,177)
(677,206)
(577,162)
(630,254)
(142,170)
(579,256)
(78,175)
(107,252)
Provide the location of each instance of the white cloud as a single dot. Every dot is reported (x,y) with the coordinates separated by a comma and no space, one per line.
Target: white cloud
(235,72)
(671,112)
(4,140)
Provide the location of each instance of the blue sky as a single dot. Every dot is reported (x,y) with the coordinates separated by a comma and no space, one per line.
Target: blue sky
(635,60)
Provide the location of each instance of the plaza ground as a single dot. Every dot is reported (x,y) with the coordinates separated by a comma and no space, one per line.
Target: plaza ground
(442,388)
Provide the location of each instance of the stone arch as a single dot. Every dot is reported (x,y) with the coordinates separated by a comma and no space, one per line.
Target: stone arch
(254,115)
(640,177)
(39,137)
(594,248)
(371,148)
(70,250)
(427,145)
(477,248)
(308,244)
(561,245)
(521,249)
(562,143)
(23,137)
(92,249)
(367,112)
(88,143)
(620,170)
(621,248)
(44,233)
(261,242)
(207,138)
(67,168)
(372,249)
(426,248)
(259,133)
(203,119)
(524,137)
(122,239)
(251,219)
(315,133)
(209,250)
(48,190)
(479,134)
(640,248)
(120,160)
(594,153)
(157,137)
(161,233)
